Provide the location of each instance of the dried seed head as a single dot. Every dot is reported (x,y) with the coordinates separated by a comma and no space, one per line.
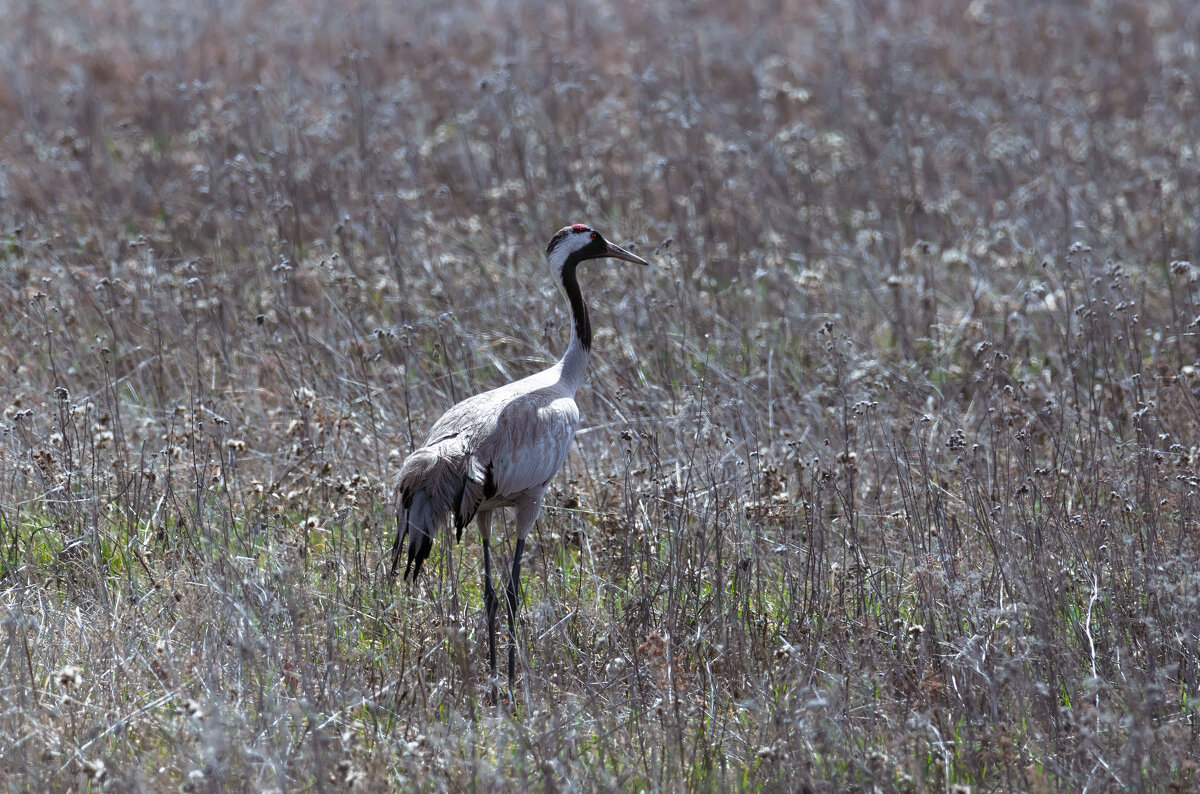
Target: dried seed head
(304,396)
(70,676)
(95,769)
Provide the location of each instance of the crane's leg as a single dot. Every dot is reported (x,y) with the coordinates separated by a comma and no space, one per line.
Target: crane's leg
(490,600)
(514,585)
(526,514)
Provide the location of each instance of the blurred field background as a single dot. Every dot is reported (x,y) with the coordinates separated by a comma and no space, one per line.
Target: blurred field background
(889,477)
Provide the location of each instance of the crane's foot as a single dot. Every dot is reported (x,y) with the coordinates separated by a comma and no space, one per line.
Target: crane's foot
(497,694)
(491,691)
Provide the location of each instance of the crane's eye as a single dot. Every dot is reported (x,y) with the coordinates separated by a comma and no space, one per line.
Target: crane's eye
(594,235)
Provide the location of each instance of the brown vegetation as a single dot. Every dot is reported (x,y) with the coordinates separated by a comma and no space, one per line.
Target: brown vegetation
(891,470)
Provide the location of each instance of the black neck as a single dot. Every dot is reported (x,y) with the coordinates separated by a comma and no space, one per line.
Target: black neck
(579,310)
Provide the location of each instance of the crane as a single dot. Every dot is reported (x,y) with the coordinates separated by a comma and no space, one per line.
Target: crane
(502,447)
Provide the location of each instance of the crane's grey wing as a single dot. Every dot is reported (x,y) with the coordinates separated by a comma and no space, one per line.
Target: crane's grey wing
(520,450)
(467,418)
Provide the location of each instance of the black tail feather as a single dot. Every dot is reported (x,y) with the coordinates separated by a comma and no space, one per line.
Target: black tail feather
(420,544)
(419,553)
(429,487)
(401,532)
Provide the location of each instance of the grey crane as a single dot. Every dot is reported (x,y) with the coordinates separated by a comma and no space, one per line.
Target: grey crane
(501,448)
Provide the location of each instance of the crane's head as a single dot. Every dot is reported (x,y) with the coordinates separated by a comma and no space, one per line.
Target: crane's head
(571,245)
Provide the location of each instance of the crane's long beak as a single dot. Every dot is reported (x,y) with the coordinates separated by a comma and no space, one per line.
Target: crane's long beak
(617,252)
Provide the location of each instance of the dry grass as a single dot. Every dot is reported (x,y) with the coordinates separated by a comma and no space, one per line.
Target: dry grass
(891,469)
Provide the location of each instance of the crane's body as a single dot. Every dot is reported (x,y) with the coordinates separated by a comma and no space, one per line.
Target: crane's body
(501,448)
(496,449)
